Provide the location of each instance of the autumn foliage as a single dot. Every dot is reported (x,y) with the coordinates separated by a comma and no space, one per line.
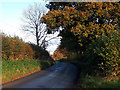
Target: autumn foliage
(60,54)
(82,21)
(14,48)
(20,59)
(89,24)
(40,53)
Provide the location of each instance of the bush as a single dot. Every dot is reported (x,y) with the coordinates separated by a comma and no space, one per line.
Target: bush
(6,48)
(39,52)
(106,52)
(14,48)
(97,82)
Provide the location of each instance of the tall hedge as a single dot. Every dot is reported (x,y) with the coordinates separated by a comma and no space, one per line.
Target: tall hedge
(15,49)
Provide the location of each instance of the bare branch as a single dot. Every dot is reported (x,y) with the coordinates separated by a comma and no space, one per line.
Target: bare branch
(52,38)
(32,17)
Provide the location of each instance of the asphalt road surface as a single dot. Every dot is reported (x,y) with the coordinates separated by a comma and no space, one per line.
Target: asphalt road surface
(60,75)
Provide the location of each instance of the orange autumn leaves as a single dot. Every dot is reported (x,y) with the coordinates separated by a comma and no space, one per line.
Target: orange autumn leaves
(70,16)
(104,8)
(88,22)
(93,31)
(15,49)
(60,54)
(81,19)
(57,18)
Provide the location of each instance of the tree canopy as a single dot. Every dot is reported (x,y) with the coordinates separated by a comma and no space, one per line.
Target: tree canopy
(85,20)
(84,24)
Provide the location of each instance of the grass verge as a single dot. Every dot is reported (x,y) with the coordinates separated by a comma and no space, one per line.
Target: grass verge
(91,81)
(12,70)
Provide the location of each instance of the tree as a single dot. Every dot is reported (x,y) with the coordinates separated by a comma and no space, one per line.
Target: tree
(85,21)
(65,41)
(59,5)
(32,17)
(88,23)
(60,54)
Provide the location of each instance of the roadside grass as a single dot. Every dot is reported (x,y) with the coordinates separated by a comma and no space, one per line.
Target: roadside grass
(12,70)
(87,80)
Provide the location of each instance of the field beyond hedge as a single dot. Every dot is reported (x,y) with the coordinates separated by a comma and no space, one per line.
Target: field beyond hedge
(12,70)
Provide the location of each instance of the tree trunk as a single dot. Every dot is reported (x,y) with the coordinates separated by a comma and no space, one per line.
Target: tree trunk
(37,37)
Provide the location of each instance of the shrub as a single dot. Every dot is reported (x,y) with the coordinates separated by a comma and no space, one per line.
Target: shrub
(107,50)
(6,48)
(14,48)
(39,52)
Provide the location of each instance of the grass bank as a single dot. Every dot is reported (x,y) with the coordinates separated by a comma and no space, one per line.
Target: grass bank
(87,80)
(12,70)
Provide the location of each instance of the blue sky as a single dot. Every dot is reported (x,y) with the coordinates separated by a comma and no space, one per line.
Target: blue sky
(13,10)
(11,13)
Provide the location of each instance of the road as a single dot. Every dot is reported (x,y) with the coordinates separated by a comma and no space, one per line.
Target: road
(60,75)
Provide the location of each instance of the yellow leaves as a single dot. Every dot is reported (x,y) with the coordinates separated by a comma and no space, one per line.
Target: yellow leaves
(107,28)
(3,76)
(114,52)
(66,8)
(82,13)
(17,70)
(106,8)
(58,24)
(52,24)
(107,31)
(96,36)
(80,44)
(64,24)
(94,6)
(78,18)
(91,23)
(79,25)
(114,73)
(85,34)
(69,8)
(64,14)
(77,28)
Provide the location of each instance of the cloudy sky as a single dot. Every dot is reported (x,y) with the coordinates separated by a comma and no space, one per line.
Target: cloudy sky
(11,14)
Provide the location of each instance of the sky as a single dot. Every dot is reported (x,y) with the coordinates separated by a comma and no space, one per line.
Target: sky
(11,14)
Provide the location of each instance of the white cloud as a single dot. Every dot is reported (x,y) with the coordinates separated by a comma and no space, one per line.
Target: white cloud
(13,29)
(52,48)
(53,43)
